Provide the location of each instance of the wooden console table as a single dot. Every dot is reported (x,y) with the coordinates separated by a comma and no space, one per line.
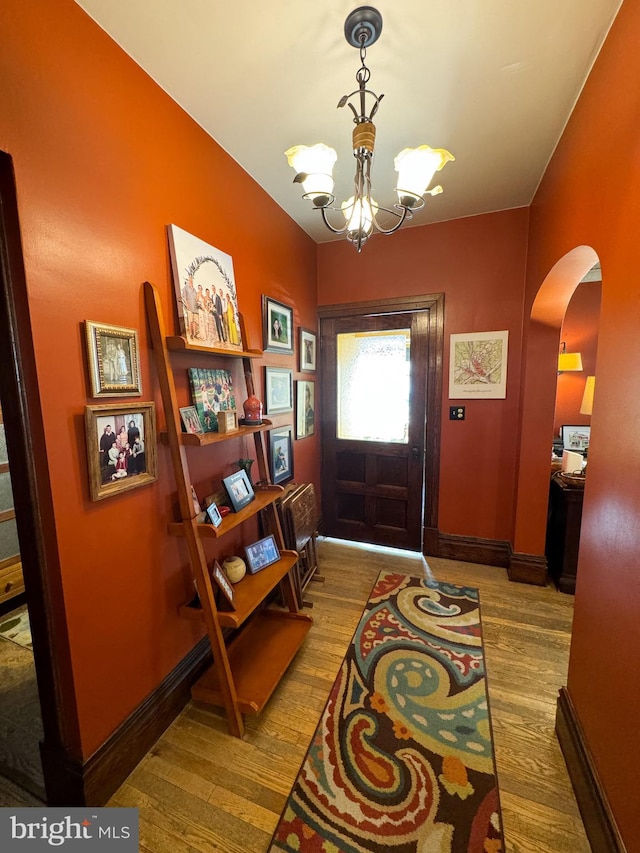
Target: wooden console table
(563,533)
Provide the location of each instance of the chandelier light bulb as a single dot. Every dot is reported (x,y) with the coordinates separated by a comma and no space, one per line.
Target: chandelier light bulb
(359,217)
(313,165)
(416,168)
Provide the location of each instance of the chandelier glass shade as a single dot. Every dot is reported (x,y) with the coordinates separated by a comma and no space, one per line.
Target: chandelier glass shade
(416,167)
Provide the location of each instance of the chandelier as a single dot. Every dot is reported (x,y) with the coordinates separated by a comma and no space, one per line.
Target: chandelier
(314,164)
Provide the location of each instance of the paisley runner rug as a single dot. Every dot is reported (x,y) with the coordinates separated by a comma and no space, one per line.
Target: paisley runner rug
(402,759)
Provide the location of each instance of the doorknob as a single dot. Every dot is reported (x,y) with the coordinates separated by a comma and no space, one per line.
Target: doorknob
(415,452)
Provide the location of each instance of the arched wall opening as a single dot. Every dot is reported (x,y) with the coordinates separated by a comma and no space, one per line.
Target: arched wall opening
(538,406)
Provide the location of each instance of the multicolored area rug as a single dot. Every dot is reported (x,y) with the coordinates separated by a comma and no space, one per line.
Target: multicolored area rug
(402,759)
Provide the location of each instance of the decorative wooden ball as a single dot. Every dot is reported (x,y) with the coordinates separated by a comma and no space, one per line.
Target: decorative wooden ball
(235,568)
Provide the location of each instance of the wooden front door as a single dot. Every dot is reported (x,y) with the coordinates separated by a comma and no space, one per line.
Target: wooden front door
(380,424)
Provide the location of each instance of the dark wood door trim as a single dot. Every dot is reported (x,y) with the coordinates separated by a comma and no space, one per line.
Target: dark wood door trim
(434,304)
(34,504)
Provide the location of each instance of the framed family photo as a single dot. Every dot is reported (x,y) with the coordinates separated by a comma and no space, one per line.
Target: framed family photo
(307,346)
(206,295)
(121,447)
(277,326)
(190,420)
(280,454)
(112,355)
(305,408)
(239,489)
(261,554)
(278,390)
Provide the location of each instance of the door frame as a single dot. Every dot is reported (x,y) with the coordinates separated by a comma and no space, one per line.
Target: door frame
(434,305)
(61,747)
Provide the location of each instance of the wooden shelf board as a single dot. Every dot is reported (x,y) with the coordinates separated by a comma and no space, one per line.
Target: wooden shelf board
(177,343)
(264,497)
(258,658)
(206,438)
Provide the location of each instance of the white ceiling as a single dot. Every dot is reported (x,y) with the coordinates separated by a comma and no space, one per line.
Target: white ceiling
(493,81)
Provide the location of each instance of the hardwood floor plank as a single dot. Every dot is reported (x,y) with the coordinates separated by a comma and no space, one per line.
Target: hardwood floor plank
(200,790)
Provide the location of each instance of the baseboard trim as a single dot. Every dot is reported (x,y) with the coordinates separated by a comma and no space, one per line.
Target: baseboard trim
(599,823)
(527,568)
(93,781)
(472,549)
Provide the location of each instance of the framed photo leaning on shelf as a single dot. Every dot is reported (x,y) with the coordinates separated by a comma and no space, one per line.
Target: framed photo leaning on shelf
(239,490)
(261,554)
(112,355)
(191,420)
(277,326)
(280,454)
(278,390)
(223,583)
(305,408)
(308,344)
(121,447)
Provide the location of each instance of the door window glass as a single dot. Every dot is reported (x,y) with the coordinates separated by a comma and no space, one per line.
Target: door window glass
(373,386)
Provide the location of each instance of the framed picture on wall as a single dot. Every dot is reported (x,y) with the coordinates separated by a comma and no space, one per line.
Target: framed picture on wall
(112,355)
(278,390)
(305,408)
(478,366)
(280,454)
(277,326)
(575,437)
(121,447)
(308,345)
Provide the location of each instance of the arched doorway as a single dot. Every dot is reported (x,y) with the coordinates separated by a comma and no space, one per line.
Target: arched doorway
(528,562)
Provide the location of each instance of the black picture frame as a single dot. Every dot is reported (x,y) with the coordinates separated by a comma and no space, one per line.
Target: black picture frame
(281,454)
(305,408)
(239,490)
(307,350)
(278,390)
(277,326)
(261,554)
(575,437)
(213,515)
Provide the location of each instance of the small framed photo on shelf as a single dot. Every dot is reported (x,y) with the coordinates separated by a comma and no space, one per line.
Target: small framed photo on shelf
(308,343)
(213,514)
(278,390)
(239,490)
(277,326)
(190,420)
(121,447)
(305,408)
(261,554)
(112,354)
(280,454)
(223,583)
(227,421)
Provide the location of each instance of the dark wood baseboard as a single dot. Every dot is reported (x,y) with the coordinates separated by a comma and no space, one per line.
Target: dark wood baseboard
(472,549)
(597,817)
(91,783)
(528,568)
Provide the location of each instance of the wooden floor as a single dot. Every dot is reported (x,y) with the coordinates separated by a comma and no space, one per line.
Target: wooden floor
(200,789)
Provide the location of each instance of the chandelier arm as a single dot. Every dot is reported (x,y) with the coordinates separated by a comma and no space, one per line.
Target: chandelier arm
(325,219)
(401,218)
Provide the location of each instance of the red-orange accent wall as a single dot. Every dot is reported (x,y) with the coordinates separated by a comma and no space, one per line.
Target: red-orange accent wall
(104,160)
(580,204)
(479,265)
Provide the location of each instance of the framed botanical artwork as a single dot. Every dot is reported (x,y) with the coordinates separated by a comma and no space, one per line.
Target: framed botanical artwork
(261,554)
(190,420)
(239,489)
(223,584)
(206,295)
(121,447)
(278,390)
(277,326)
(280,454)
(305,408)
(478,366)
(112,355)
(307,346)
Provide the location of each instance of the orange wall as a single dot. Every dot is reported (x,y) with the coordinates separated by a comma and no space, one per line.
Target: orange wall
(104,160)
(580,333)
(479,264)
(580,204)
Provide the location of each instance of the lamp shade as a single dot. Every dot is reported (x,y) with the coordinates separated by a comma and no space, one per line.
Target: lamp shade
(313,165)
(569,361)
(416,168)
(586,407)
(359,215)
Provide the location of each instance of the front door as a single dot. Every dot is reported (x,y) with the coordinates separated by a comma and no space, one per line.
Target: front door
(376,426)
